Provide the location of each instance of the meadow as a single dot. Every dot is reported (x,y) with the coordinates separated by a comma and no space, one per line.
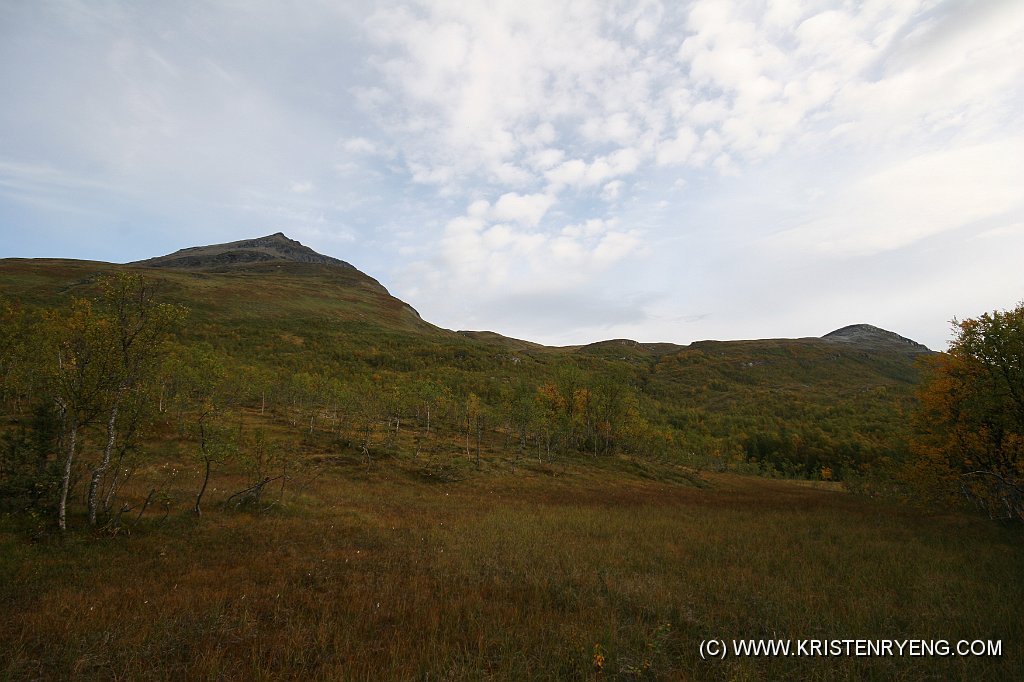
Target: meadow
(522,570)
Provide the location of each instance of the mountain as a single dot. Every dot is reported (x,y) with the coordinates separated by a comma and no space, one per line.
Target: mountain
(267,263)
(274,248)
(274,305)
(869,337)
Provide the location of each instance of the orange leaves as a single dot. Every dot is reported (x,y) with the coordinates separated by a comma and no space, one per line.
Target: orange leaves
(970,417)
(550,399)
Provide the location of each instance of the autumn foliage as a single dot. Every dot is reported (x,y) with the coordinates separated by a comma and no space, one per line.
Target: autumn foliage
(970,423)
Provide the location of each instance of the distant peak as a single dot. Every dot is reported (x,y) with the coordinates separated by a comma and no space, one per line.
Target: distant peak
(277,247)
(868,335)
(277,237)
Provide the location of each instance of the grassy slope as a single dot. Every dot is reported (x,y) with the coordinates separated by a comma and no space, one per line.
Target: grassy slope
(710,396)
(422,567)
(839,394)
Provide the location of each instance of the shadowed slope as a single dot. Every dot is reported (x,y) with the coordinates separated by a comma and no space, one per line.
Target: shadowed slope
(272,248)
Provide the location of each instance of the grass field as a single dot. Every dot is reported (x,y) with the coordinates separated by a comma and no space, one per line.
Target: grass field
(512,574)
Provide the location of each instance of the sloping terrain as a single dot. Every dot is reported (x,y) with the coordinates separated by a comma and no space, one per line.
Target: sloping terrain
(788,405)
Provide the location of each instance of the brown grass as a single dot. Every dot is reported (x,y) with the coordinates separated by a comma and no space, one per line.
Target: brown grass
(511,576)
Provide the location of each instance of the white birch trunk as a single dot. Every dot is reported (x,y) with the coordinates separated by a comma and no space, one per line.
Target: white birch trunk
(65,482)
(101,470)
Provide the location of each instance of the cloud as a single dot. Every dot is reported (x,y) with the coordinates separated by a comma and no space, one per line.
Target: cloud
(579,173)
(529,95)
(918,198)
(523,77)
(679,149)
(358,145)
(528,209)
(612,190)
(618,128)
(568,98)
(494,249)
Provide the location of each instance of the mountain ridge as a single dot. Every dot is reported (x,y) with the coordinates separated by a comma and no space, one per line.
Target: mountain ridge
(271,248)
(278,251)
(843,396)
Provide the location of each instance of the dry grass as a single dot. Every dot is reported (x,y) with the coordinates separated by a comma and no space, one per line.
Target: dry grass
(511,576)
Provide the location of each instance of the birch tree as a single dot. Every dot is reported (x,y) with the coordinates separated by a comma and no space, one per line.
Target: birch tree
(140,328)
(205,395)
(80,374)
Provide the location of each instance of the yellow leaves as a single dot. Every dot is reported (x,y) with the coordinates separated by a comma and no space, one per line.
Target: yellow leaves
(581,399)
(550,398)
(473,405)
(970,417)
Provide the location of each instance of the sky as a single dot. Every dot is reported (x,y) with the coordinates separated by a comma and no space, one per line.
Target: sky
(562,172)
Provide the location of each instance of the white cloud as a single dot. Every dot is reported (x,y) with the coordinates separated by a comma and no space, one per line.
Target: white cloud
(918,198)
(358,145)
(499,99)
(525,209)
(493,256)
(546,158)
(679,149)
(618,128)
(502,96)
(572,172)
(510,175)
(578,173)
(611,191)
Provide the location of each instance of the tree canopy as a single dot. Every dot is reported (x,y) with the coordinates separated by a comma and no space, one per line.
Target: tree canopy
(970,423)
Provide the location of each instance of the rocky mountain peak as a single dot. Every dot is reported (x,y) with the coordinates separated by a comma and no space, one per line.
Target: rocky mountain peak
(276,247)
(869,336)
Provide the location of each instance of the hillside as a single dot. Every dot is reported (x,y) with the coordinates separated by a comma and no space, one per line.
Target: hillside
(385,499)
(277,307)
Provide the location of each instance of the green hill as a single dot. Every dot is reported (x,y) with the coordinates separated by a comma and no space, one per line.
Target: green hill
(275,307)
